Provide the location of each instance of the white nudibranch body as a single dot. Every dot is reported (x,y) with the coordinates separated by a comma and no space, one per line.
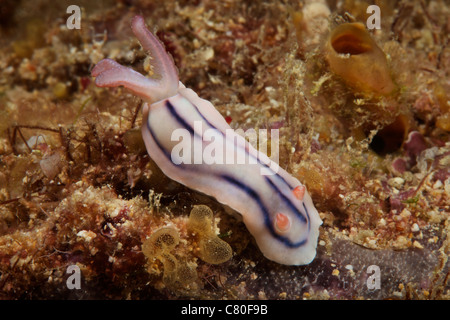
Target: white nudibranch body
(276,208)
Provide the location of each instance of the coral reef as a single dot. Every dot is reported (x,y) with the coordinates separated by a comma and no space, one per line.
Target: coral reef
(77,187)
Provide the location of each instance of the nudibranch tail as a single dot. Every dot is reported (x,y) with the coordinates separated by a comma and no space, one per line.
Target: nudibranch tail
(109,73)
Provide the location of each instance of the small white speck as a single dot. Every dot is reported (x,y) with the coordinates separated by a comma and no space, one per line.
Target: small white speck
(87,235)
(438,184)
(396,182)
(405,213)
(417,245)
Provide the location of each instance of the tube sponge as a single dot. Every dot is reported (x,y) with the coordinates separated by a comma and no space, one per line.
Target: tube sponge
(353,55)
(390,138)
(212,249)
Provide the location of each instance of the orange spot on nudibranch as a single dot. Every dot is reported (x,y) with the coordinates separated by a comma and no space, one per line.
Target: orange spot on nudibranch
(299,192)
(282,222)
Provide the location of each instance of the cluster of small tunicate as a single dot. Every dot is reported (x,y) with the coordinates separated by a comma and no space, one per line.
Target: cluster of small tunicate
(212,249)
(161,246)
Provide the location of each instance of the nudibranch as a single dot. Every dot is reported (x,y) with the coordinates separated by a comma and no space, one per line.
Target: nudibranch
(275,207)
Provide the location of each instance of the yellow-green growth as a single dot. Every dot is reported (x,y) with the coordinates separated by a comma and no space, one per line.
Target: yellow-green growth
(161,241)
(160,245)
(212,249)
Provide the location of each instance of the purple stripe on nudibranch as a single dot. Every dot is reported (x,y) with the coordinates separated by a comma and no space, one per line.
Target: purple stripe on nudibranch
(288,201)
(191,130)
(268,222)
(180,119)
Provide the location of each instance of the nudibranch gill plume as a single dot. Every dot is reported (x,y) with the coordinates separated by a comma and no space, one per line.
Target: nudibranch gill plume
(276,208)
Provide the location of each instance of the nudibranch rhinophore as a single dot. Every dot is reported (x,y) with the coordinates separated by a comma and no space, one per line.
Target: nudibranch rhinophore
(276,208)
